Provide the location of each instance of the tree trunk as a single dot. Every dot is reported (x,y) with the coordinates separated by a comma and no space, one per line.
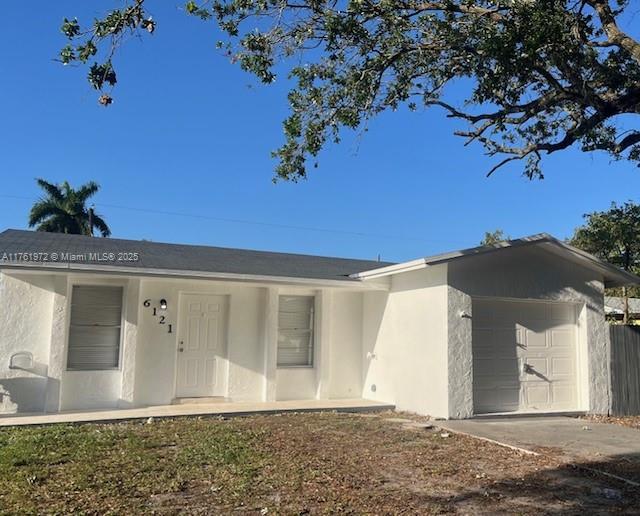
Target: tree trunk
(90,230)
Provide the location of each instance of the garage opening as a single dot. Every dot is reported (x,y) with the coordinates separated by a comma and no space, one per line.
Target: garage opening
(524,356)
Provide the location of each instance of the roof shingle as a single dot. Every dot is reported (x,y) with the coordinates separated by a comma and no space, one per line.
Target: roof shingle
(178,257)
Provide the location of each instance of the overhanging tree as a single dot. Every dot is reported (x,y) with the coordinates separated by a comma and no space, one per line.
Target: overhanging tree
(614,236)
(545,74)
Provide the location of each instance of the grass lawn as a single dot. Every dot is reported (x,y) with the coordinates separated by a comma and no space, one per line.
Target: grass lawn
(287,464)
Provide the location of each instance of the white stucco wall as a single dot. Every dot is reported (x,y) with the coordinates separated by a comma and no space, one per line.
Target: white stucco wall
(25,325)
(530,273)
(346,345)
(39,318)
(405,342)
(157,349)
(337,368)
(81,390)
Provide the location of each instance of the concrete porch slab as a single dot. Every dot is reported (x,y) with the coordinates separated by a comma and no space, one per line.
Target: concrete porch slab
(576,438)
(196,409)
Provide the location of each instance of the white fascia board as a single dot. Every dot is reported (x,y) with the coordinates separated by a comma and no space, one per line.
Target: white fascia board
(172,273)
(391,269)
(612,275)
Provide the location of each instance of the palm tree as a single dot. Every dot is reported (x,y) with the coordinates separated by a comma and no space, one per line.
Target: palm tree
(64,210)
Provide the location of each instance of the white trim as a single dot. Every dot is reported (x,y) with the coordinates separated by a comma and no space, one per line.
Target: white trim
(314,331)
(412,265)
(579,355)
(96,282)
(270,339)
(226,319)
(615,276)
(169,273)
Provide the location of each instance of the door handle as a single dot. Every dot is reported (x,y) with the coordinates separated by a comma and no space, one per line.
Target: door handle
(526,368)
(181,348)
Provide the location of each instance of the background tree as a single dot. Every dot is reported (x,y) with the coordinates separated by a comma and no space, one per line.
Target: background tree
(545,74)
(494,237)
(614,236)
(64,210)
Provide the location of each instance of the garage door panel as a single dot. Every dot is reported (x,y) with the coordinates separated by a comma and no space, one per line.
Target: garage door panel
(535,339)
(538,396)
(502,367)
(496,400)
(532,311)
(562,366)
(504,314)
(483,315)
(497,342)
(561,338)
(563,394)
(562,312)
(538,336)
(539,365)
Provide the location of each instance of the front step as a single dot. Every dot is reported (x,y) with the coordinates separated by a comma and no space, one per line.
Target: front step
(200,401)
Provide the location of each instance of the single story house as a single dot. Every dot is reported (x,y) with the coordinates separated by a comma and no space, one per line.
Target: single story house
(100,323)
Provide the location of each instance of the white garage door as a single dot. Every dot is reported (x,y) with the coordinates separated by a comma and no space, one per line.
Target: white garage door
(524,356)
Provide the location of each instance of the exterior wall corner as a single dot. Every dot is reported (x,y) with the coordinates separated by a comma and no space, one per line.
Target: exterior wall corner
(129,343)
(57,349)
(459,354)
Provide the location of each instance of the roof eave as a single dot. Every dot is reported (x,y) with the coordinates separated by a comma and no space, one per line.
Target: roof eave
(612,276)
(187,274)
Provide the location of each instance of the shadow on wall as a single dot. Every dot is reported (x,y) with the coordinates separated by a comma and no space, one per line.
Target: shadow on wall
(525,273)
(22,395)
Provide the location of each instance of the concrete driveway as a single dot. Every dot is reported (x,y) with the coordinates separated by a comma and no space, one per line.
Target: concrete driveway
(578,439)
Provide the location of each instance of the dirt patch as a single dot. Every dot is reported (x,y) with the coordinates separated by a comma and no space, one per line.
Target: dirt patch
(629,421)
(288,464)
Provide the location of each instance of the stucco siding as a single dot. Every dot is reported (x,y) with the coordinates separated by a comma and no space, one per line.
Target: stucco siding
(337,367)
(459,355)
(533,273)
(405,342)
(25,326)
(82,390)
(346,345)
(157,349)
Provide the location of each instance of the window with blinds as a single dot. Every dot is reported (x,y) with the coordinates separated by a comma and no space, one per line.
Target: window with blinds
(295,331)
(95,328)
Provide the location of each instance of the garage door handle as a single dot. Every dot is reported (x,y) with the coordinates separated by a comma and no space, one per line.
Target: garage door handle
(526,368)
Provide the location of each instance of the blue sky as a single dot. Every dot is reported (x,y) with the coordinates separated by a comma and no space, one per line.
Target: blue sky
(189,133)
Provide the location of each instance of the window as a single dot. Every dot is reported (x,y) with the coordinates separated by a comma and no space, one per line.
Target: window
(295,331)
(94,332)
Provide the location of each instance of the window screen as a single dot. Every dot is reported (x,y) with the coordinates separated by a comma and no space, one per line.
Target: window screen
(295,331)
(94,332)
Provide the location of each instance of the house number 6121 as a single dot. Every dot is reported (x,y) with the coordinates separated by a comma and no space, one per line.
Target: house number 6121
(162,319)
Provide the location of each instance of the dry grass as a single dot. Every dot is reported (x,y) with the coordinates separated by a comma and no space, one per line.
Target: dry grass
(289,464)
(630,421)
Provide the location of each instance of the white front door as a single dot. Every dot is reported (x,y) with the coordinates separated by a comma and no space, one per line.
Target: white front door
(524,356)
(201,346)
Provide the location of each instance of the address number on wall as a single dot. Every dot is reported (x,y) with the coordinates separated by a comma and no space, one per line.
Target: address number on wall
(162,319)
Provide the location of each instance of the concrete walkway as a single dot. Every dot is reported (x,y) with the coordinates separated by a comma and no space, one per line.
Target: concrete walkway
(577,438)
(197,409)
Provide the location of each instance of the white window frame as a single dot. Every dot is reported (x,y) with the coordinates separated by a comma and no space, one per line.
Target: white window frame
(314,330)
(96,283)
